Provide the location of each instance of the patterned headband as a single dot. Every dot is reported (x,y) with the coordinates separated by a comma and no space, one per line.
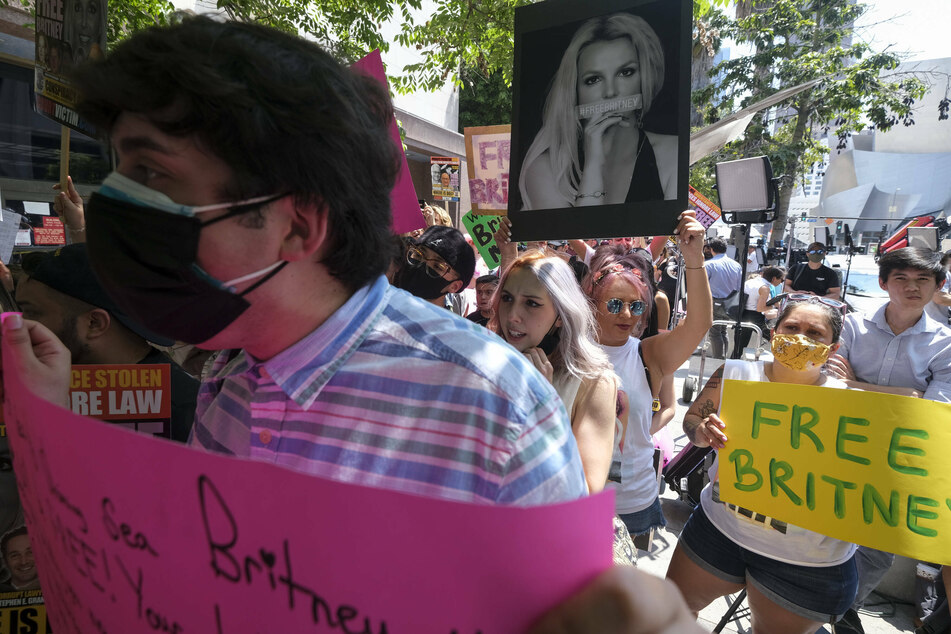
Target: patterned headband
(616,268)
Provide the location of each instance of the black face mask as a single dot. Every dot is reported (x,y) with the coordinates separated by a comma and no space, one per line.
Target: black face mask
(145,260)
(416,281)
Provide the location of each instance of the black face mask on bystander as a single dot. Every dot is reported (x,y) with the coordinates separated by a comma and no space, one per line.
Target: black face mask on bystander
(417,281)
(144,254)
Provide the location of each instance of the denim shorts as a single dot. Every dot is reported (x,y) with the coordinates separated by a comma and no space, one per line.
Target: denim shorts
(819,593)
(640,522)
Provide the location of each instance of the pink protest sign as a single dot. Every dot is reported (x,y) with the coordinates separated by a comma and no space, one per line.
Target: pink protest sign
(406,213)
(133,534)
(488,156)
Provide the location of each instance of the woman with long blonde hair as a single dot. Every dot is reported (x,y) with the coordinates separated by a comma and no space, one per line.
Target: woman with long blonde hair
(592,148)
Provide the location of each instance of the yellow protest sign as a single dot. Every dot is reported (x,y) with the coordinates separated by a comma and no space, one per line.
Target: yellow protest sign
(864,467)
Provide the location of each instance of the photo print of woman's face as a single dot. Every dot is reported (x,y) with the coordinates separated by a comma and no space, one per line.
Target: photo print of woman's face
(601,128)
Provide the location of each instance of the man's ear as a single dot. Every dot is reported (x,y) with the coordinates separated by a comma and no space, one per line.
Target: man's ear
(308,228)
(95,323)
(454,287)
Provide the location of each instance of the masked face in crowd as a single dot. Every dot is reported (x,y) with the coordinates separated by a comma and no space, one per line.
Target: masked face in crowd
(803,340)
(158,244)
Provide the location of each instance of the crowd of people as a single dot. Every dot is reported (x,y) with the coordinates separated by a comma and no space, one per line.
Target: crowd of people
(246,229)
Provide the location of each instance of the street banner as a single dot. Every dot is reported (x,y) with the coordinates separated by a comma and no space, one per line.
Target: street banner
(707,211)
(488,154)
(445,173)
(864,467)
(136,396)
(68,32)
(482,228)
(135,534)
(403,201)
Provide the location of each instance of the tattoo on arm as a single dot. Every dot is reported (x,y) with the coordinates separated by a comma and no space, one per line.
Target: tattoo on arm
(714,382)
(707,408)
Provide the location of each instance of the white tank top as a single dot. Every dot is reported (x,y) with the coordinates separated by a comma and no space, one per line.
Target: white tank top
(638,487)
(763,535)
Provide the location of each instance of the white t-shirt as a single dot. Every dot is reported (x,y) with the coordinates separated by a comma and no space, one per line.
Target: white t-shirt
(638,488)
(751,288)
(766,536)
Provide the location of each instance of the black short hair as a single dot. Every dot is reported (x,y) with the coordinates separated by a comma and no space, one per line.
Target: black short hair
(717,245)
(816,245)
(278,110)
(487,279)
(917,258)
(772,272)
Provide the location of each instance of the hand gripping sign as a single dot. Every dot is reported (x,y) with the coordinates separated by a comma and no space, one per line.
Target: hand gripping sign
(863,467)
(134,534)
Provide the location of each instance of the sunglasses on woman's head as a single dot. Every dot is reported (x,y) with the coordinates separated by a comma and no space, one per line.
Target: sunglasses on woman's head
(812,299)
(615,306)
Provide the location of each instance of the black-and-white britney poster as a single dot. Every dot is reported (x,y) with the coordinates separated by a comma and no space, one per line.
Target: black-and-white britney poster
(600,133)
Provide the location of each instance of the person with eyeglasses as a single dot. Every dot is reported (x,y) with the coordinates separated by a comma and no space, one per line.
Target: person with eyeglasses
(899,349)
(796,579)
(437,266)
(620,293)
(814,276)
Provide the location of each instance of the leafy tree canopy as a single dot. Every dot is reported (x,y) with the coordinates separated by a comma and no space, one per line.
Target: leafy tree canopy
(472,34)
(795,41)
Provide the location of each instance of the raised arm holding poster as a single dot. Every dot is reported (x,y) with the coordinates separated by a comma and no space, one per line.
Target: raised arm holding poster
(600,107)
(863,467)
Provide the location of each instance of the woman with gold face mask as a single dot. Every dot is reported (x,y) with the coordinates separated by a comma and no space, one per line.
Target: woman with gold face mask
(796,579)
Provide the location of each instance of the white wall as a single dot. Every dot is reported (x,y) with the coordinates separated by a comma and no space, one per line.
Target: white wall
(928,134)
(440,107)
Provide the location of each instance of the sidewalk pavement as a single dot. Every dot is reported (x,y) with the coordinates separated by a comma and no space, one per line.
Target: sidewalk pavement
(888,616)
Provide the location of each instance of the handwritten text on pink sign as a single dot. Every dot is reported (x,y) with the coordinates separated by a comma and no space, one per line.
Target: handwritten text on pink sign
(133,534)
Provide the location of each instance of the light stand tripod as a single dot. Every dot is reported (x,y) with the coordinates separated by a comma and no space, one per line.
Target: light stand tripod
(848,266)
(748,195)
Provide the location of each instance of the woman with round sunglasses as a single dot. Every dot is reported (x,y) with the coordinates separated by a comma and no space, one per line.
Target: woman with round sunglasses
(796,579)
(659,317)
(619,291)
